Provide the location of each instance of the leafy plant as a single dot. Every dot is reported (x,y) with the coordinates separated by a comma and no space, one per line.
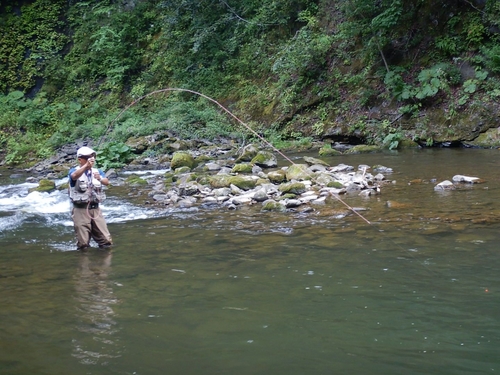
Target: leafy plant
(114,155)
(392,140)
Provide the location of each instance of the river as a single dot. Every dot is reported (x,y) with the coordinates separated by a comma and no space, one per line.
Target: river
(246,292)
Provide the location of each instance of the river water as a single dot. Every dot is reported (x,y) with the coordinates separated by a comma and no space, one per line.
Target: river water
(244,292)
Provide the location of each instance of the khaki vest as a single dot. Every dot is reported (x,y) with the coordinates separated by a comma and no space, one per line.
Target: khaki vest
(87,189)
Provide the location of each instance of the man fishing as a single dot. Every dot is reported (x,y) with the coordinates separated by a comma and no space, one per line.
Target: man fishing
(86,192)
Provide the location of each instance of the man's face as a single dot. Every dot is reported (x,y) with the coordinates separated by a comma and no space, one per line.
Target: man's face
(84,158)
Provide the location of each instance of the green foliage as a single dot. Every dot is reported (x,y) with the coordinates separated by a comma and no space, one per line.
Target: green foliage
(109,40)
(474,30)
(114,155)
(29,42)
(449,45)
(304,63)
(470,86)
(391,141)
(491,57)
(397,86)
(431,81)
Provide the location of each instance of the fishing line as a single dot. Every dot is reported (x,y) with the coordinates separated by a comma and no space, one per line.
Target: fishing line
(242,123)
(203,96)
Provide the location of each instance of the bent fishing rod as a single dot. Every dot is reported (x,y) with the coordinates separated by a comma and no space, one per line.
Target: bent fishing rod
(242,123)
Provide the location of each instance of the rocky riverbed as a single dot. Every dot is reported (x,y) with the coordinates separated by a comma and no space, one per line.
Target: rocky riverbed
(227,176)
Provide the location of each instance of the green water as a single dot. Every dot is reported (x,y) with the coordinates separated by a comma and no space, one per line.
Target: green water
(243,292)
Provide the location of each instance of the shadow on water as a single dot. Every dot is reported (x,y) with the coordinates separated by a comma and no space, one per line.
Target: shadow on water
(224,292)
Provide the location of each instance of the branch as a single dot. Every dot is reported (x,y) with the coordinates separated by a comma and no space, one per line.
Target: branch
(383,58)
(234,12)
(473,6)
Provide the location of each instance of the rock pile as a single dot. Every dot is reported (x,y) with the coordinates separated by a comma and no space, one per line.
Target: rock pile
(253,177)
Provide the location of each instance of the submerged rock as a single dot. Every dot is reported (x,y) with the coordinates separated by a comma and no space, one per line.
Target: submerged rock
(445,185)
(45,186)
(467,179)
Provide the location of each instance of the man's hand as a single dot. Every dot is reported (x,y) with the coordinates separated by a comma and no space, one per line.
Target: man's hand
(90,163)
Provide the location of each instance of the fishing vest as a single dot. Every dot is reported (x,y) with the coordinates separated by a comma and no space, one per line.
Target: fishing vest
(87,189)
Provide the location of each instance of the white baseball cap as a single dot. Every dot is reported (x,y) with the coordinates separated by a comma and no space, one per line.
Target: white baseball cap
(85,151)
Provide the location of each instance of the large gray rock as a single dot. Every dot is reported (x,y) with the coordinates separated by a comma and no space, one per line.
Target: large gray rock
(298,172)
(247,153)
(265,159)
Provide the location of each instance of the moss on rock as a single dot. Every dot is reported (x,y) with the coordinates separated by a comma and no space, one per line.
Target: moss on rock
(277,177)
(242,168)
(292,188)
(135,180)
(45,186)
(243,182)
(298,172)
(363,149)
(182,159)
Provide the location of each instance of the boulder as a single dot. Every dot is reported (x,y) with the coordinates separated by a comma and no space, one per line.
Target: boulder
(292,188)
(242,168)
(298,172)
(272,205)
(243,182)
(265,159)
(277,177)
(466,179)
(182,159)
(247,153)
(314,161)
(445,185)
(45,186)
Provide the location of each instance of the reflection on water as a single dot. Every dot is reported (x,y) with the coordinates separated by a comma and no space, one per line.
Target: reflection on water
(95,312)
(246,292)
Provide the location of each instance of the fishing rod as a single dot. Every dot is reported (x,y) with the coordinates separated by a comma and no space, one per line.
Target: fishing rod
(203,96)
(246,126)
(265,141)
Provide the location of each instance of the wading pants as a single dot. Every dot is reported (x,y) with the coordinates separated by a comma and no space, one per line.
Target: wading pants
(89,223)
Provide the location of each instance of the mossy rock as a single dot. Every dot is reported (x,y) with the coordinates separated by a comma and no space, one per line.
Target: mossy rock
(203,180)
(407,143)
(335,184)
(202,159)
(243,182)
(262,181)
(138,144)
(287,196)
(323,179)
(177,145)
(135,180)
(242,168)
(182,170)
(63,187)
(277,177)
(292,188)
(45,186)
(489,139)
(182,159)
(314,161)
(327,150)
(265,159)
(60,170)
(363,149)
(169,178)
(298,172)
(272,205)
(186,178)
(247,153)
(219,181)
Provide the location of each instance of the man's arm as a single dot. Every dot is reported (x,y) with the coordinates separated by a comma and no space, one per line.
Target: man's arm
(85,167)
